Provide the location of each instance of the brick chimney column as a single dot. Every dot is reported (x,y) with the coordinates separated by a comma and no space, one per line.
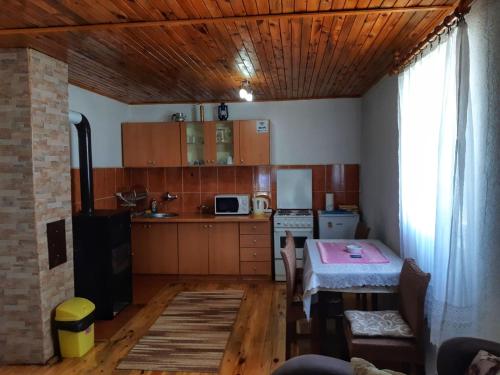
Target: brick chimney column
(34,190)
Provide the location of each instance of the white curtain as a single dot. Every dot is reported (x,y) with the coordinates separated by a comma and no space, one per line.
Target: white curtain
(437,179)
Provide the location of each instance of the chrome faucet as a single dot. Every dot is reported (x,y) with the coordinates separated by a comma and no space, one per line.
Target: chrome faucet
(169,197)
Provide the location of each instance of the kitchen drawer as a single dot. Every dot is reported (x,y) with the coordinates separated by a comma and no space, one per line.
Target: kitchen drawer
(255,240)
(255,268)
(255,228)
(255,253)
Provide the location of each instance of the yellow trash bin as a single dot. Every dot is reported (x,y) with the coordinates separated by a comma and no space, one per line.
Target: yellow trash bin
(75,326)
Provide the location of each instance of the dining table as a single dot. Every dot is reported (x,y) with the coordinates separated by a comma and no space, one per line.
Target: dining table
(329,268)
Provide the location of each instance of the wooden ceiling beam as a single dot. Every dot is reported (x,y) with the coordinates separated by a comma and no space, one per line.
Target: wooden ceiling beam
(219,20)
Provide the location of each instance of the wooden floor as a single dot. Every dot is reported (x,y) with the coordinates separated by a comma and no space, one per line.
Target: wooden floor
(256,345)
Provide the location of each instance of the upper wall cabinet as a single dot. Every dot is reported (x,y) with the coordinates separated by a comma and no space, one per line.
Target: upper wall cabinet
(243,142)
(151,144)
(210,143)
(254,142)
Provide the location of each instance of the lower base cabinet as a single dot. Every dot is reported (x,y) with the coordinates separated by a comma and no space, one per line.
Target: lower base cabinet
(202,248)
(223,248)
(154,248)
(255,249)
(256,268)
(206,248)
(193,249)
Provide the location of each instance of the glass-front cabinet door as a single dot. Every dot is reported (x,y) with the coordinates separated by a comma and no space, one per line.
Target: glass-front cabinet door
(224,142)
(193,143)
(209,143)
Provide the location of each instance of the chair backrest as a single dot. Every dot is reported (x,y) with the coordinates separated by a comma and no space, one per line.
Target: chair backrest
(289,259)
(362,231)
(413,283)
(456,354)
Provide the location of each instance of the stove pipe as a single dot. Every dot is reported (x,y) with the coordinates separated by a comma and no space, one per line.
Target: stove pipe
(85,155)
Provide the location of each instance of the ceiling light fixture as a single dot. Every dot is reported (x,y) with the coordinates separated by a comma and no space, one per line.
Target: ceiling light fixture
(246,91)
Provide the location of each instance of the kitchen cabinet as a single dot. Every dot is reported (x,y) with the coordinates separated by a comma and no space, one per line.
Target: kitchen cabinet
(154,248)
(209,248)
(209,143)
(254,142)
(192,244)
(255,249)
(223,249)
(193,135)
(193,248)
(151,144)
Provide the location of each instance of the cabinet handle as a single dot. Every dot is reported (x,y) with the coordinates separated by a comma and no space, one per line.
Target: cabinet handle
(210,225)
(254,241)
(255,269)
(254,255)
(254,227)
(241,161)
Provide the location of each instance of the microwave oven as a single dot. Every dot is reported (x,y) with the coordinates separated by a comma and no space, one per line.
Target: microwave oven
(232,204)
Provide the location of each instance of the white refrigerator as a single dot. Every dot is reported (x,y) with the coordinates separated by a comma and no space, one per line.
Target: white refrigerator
(337,225)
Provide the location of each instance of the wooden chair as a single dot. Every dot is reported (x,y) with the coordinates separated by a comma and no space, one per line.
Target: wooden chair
(362,231)
(294,306)
(413,285)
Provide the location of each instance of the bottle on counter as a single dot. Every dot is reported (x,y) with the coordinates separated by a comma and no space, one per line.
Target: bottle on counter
(154,206)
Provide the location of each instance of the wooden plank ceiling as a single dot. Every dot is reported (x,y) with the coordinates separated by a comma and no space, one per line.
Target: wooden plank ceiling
(330,52)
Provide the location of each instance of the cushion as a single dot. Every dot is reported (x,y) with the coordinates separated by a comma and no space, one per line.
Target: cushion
(484,363)
(387,323)
(362,367)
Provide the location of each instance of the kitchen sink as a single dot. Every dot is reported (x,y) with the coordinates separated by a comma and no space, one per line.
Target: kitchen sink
(160,215)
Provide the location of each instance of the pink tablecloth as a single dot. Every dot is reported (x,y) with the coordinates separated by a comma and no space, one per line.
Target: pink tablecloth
(335,252)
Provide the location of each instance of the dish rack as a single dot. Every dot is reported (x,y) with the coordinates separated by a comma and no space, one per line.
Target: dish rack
(130,198)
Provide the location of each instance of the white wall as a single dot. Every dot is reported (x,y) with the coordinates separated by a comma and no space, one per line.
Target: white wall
(105,116)
(484,36)
(379,196)
(302,131)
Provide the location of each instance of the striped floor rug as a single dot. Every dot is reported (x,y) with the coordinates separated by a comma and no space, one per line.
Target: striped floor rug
(190,335)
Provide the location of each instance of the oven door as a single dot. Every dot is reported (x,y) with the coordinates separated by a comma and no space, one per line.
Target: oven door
(300,236)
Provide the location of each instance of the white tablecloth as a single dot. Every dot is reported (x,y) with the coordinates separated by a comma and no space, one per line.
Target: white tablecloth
(320,276)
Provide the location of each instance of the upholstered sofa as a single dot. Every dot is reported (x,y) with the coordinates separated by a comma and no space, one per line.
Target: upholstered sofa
(314,364)
(454,357)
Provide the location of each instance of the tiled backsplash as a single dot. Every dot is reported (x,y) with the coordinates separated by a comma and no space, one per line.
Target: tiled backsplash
(197,186)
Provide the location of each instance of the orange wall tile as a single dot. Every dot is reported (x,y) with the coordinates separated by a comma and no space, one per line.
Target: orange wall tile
(197,186)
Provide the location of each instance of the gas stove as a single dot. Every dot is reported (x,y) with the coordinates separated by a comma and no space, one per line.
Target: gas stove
(294,193)
(283,212)
(293,219)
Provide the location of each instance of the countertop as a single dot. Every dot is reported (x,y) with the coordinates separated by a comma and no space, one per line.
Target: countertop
(203,218)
